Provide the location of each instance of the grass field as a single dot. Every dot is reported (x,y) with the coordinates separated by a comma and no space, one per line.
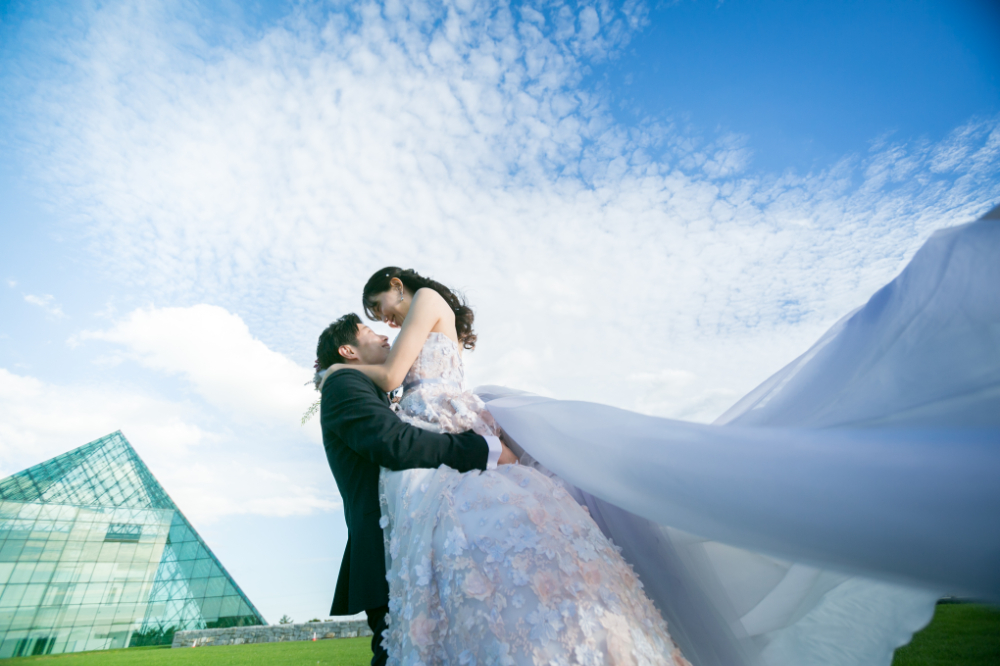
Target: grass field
(333,652)
(959,635)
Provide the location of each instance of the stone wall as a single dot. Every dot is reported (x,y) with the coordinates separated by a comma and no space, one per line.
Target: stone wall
(272,633)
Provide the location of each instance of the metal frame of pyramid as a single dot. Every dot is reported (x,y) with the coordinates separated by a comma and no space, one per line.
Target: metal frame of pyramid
(94,554)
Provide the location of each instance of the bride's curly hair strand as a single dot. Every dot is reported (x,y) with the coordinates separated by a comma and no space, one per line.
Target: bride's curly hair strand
(379,283)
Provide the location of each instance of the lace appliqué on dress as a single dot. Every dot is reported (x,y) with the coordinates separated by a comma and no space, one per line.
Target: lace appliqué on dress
(434,395)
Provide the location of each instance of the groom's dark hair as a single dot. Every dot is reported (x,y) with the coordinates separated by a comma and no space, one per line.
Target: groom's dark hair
(344,331)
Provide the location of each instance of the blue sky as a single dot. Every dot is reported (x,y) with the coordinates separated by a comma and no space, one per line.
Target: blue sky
(653,206)
(808,82)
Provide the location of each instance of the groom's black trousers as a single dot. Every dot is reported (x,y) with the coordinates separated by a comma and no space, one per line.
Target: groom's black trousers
(376,622)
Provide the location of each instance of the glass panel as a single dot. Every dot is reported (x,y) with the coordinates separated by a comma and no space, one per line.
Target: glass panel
(188,550)
(179,533)
(187,567)
(61,527)
(32,548)
(67,616)
(90,551)
(86,615)
(11,596)
(131,592)
(56,594)
(42,530)
(143,552)
(22,620)
(105,613)
(198,586)
(202,568)
(8,646)
(103,571)
(109,552)
(210,609)
(126,552)
(94,593)
(43,572)
(52,550)
(64,573)
(86,572)
(126,614)
(46,617)
(11,550)
(75,593)
(33,595)
(229,606)
(22,572)
(215,587)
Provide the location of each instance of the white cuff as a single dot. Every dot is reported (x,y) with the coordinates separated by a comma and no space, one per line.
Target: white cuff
(496,448)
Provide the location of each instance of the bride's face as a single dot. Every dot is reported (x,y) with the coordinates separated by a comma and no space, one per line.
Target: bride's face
(391,306)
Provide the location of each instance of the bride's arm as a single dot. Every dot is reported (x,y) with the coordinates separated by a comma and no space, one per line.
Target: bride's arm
(426,310)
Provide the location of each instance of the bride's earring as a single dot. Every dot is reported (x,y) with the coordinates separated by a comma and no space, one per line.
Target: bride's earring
(400,295)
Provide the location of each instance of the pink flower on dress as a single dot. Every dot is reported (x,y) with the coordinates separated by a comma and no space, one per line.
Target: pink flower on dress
(477,586)
(422,631)
(591,574)
(537,515)
(619,640)
(545,584)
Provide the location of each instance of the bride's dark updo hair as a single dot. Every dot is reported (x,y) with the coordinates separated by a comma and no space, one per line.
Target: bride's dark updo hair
(379,283)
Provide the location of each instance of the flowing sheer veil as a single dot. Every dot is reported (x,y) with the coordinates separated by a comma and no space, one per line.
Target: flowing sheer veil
(834,503)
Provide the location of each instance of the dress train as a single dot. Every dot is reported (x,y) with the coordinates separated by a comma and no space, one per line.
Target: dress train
(834,503)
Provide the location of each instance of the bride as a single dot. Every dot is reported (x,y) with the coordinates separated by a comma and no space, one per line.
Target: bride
(497,567)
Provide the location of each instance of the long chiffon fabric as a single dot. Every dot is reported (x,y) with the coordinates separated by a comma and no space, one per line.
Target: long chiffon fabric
(818,520)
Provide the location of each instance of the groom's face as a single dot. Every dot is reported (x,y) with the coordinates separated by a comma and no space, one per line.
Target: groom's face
(372,348)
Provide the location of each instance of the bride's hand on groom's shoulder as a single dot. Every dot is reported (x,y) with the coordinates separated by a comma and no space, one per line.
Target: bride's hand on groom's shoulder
(326,374)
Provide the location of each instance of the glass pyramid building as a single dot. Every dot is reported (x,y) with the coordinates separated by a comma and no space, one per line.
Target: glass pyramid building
(95,555)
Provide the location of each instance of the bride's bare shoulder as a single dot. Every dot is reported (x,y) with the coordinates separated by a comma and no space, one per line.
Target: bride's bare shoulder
(433,305)
(425,297)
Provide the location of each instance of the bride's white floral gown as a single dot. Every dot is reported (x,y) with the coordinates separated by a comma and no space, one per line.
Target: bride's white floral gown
(500,567)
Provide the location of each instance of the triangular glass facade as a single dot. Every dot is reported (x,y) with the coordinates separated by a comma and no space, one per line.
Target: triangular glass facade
(94,555)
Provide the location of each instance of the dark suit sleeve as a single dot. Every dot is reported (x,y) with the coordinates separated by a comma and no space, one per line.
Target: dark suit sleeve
(353,409)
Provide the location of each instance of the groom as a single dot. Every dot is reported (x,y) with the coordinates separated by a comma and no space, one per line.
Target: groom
(361,434)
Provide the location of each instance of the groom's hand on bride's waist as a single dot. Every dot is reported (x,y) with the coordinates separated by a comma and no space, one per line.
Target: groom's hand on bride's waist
(507,456)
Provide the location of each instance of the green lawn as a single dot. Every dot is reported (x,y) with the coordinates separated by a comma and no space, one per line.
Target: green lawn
(959,635)
(332,652)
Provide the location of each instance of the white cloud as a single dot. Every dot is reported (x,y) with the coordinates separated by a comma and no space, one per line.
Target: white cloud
(40,420)
(211,471)
(46,302)
(11,283)
(214,351)
(272,173)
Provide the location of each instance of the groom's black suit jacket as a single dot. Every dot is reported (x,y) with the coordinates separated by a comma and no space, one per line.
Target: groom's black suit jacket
(360,434)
